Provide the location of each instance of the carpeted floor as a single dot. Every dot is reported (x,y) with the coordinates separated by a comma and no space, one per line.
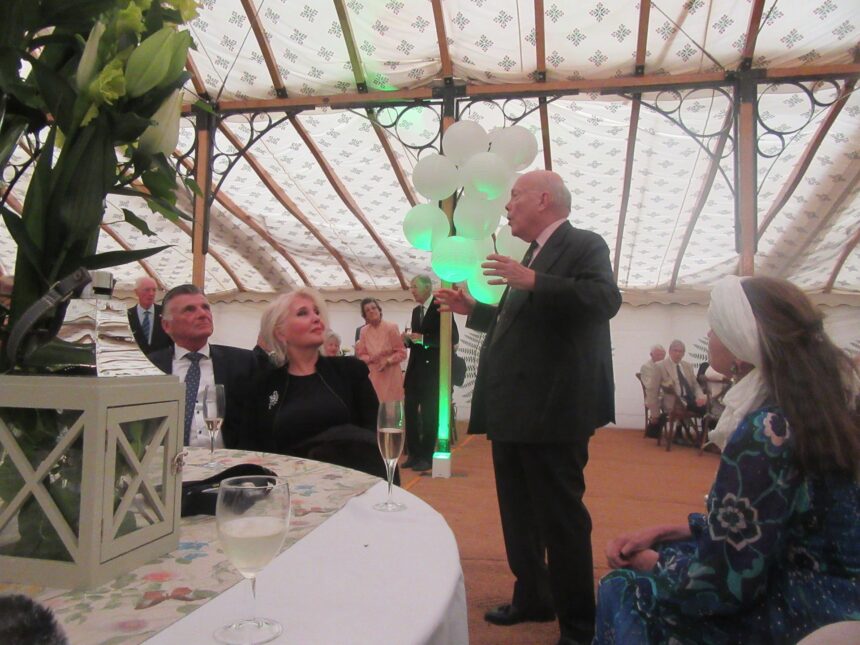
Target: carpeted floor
(631,483)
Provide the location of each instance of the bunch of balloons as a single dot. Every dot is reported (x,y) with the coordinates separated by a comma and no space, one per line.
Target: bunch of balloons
(481,168)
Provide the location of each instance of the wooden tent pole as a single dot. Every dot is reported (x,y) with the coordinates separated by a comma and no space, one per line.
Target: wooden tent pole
(205,126)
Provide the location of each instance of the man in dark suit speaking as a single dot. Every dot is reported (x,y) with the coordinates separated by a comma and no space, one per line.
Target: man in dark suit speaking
(544,384)
(145,318)
(188,321)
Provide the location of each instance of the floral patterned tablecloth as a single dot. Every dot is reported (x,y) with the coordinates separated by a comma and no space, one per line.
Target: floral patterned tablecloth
(138,604)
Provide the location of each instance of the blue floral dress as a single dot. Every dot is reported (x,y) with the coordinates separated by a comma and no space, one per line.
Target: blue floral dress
(777,556)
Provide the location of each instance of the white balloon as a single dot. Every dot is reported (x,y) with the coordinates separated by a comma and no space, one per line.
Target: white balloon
(476,218)
(464,139)
(481,291)
(507,244)
(515,144)
(486,173)
(435,177)
(425,223)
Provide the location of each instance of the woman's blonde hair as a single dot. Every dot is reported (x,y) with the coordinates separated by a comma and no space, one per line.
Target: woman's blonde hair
(274,314)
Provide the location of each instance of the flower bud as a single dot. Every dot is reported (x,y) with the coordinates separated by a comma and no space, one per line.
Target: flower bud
(148,64)
(186,8)
(109,85)
(178,45)
(163,134)
(89,59)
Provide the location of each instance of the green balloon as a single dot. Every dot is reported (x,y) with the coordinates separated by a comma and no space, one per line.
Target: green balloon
(489,294)
(454,258)
(425,223)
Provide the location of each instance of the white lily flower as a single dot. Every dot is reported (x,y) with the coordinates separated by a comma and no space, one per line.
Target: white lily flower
(87,67)
(163,134)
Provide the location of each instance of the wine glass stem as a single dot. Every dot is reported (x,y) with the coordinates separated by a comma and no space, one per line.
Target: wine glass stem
(390,472)
(254,598)
(211,446)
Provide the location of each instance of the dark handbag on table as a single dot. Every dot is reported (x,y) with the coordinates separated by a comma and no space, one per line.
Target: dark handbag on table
(199,497)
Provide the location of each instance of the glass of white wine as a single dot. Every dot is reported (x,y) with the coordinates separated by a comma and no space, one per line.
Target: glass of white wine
(214,405)
(390,438)
(253,516)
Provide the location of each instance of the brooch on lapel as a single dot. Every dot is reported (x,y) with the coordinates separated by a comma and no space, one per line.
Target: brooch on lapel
(273,399)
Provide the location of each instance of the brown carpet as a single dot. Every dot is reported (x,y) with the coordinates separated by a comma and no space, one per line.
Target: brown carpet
(631,484)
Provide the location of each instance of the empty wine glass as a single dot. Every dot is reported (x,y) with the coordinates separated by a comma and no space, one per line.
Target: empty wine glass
(214,404)
(390,437)
(253,516)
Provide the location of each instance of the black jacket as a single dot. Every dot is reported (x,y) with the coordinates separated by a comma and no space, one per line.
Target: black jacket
(235,369)
(158,339)
(545,371)
(346,376)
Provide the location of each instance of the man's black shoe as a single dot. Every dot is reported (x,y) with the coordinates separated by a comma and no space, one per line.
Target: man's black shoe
(421,465)
(509,615)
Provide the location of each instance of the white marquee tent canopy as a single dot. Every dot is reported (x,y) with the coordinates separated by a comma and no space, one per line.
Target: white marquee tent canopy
(698,137)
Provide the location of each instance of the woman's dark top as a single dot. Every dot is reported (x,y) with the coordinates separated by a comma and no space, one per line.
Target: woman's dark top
(288,411)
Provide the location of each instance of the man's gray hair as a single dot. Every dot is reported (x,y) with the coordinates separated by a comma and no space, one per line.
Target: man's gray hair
(656,347)
(423,279)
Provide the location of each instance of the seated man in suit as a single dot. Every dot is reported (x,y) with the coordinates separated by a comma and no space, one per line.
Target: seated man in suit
(187,320)
(650,375)
(678,380)
(145,318)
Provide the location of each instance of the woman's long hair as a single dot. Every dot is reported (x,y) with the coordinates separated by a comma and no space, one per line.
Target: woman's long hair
(811,379)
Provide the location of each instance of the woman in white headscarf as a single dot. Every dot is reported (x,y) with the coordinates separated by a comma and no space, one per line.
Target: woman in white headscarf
(777,554)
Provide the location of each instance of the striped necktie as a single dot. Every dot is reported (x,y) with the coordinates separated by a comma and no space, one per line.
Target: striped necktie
(146,325)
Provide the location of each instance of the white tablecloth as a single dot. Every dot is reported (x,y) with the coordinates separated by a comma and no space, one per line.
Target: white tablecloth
(363,576)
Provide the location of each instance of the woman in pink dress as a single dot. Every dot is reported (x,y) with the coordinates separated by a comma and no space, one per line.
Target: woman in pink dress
(380,346)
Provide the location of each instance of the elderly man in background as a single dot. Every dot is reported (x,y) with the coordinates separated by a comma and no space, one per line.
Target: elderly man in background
(677,379)
(650,375)
(187,320)
(145,318)
(544,384)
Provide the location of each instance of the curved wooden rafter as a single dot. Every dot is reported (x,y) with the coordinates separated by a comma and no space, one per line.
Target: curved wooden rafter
(752,33)
(823,220)
(446,66)
(632,130)
(182,226)
(265,47)
(347,199)
(402,179)
(802,165)
(196,81)
(239,213)
(352,50)
(540,77)
(843,256)
(288,203)
(215,255)
(707,184)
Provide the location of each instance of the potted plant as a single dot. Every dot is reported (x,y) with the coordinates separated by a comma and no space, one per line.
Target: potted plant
(85,467)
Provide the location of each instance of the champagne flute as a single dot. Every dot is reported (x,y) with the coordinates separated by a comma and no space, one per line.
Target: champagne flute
(390,438)
(214,404)
(252,515)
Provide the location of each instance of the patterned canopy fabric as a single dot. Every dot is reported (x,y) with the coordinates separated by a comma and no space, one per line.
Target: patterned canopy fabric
(316,199)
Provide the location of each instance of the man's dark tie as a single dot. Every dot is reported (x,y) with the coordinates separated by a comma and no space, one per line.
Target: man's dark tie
(527,258)
(686,391)
(146,325)
(192,382)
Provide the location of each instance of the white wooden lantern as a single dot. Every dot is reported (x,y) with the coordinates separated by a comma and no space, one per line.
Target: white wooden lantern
(124,511)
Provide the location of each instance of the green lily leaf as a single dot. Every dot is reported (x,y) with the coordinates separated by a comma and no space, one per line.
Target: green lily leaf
(55,12)
(115,258)
(17,229)
(200,104)
(13,127)
(193,185)
(139,223)
(57,92)
(160,185)
(166,209)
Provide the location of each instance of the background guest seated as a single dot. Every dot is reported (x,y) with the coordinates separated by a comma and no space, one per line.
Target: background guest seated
(650,375)
(331,344)
(678,380)
(311,405)
(778,553)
